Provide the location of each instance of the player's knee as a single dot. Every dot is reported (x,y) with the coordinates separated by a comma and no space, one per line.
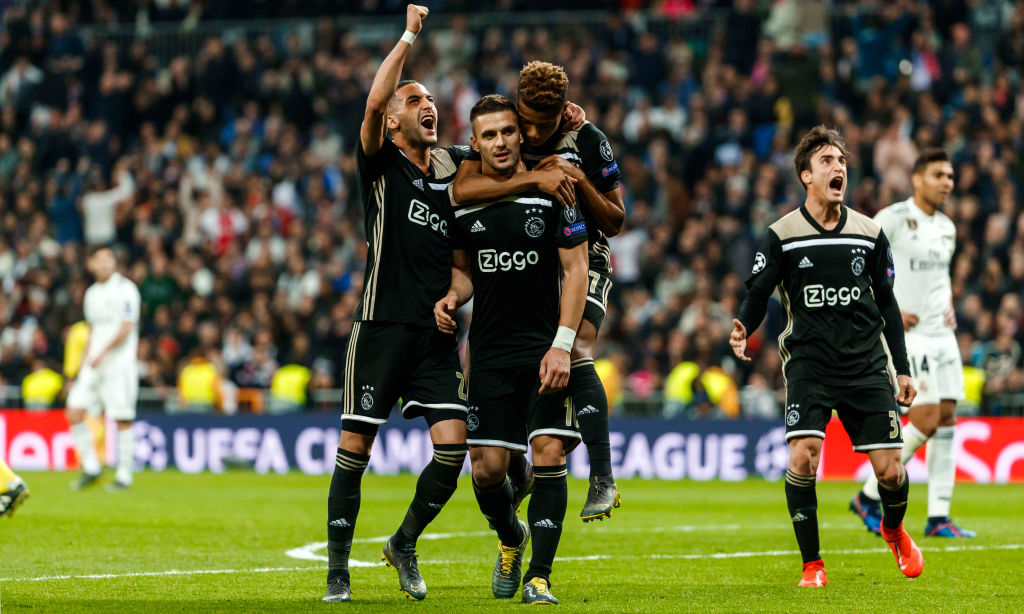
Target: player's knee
(889,475)
(487,473)
(356,443)
(583,347)
(804,455)
(75,415)
(547,451)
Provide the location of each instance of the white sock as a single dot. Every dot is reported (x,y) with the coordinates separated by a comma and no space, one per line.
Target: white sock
(86,447)
(941,471)
(125,455)
(913,439)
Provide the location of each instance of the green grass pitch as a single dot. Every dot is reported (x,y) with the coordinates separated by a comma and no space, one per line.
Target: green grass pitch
(218,543)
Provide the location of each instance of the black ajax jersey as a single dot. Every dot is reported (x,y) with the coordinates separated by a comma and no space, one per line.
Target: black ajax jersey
(512,245)
(826,280)
(587,148)
(407,223)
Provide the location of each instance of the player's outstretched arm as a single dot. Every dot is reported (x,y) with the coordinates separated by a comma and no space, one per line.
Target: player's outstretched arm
(606,209)
(473,186)
(458,295)
(371,133)
(554,368)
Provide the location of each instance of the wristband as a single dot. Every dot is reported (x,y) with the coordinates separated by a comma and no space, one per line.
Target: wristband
(408,37)
(564,338)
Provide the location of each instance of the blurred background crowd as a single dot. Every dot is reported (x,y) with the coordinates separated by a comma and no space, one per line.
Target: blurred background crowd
(217,156)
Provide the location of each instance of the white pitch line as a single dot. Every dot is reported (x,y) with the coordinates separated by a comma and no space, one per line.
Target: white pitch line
(567,559)
(308,551)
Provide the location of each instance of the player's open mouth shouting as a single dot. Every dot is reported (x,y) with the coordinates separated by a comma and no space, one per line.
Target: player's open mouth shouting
(836,184)
(428,121)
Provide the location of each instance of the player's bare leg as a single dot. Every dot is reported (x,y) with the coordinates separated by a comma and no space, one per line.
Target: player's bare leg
(13,490)
(494,496)
(435,486)
(86,447)
(343,503)
(590,403)
(802,500)
(894,487)
(125,456)
(942,474)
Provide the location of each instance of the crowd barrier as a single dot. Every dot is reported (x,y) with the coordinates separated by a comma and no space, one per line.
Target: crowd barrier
(989,450)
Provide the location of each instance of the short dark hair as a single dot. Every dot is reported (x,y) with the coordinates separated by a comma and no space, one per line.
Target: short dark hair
(394,96)
(816,138)
(543,86)
(97,248)
(926,157)
(492,103)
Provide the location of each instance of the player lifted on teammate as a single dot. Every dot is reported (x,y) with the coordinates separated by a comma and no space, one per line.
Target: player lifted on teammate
(395,350)
(524,260)
(109,378)
(586,156)
(833,270)
(923,241)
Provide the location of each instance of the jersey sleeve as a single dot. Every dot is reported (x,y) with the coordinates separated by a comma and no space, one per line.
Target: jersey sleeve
(131,303)
(883,270)
(767,270)
(571,229)
(889,222)
(461,153)
(597,159)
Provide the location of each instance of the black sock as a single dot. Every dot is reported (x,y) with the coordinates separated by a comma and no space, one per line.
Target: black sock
(803,508)
(433,489)
(591,406)
(894,502)
(518,470)
(496,504)
(545,514)
(342,509)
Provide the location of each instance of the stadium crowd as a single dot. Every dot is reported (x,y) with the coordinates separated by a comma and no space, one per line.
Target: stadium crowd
(225,177)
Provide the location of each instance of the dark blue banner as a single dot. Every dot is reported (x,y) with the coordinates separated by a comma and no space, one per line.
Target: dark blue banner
(647,448)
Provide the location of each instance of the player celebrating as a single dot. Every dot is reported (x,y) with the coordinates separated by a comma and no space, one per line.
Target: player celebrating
(587,157)
(833,270)
(923,240)
(109,377)
(395,350)
(508,254)
(15,490)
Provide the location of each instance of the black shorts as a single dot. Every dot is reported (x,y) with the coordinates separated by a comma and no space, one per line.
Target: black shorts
(597,298)
(387,361)
(506,409)
(868,413)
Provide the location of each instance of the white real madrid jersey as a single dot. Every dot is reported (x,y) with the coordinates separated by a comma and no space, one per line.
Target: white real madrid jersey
(922,249)
(107,306)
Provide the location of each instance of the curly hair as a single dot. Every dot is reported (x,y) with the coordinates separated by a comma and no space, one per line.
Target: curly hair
(543,86)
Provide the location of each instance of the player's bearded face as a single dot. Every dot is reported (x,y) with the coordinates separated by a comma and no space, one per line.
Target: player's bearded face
(935,182)
(538,126)
(413,115)
(496,136)
(828,175)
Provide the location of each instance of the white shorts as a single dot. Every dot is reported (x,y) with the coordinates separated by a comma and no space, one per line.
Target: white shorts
(936,368)
(113,392)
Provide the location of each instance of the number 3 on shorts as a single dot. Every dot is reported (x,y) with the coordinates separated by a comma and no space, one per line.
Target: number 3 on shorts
(894,421)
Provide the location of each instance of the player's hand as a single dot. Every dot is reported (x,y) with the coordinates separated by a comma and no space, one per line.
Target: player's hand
(444,314)
(554,371)
(573,117)
(949,318)
(414,16)
(907,392)
(557,183)
(909,320)
(738,341)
